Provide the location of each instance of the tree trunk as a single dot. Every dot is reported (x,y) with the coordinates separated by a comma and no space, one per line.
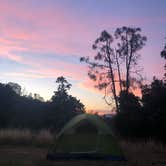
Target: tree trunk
(128,69)
(112,79)
(119,74)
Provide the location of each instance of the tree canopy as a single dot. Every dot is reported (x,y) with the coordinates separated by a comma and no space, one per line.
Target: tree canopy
(31,111)
(114,65)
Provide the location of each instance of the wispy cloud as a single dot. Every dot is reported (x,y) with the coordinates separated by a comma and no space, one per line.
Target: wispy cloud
(45,38)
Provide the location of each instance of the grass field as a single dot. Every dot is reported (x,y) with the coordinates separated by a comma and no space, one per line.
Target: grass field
(25,148)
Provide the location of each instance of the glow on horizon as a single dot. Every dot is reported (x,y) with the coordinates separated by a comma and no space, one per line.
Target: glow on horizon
(41,40)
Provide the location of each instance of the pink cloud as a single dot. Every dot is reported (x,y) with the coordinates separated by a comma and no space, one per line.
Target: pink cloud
(4,53)
(53,30)
(15,57)
(45,73)
(89,84)
(56,29)
(21,36)
(24,75)
(50,29)
(47,69)
(43,30)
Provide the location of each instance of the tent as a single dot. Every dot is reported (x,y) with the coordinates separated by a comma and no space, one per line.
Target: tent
(86,136)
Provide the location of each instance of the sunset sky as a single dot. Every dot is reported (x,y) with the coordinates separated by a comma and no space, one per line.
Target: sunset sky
(43,39)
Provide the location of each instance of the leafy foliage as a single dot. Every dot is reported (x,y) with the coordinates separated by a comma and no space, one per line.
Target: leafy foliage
(163,52)
(30,111)
(163,55)
(145,118)
(153,99)
(129,102)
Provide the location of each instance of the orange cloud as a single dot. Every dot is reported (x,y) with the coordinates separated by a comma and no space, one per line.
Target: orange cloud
(4,53)
(56,30)
(89,84)
(21,36)
(50,70)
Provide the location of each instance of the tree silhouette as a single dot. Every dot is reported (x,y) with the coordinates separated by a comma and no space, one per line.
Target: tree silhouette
(61,94)
(163,52)
(163,55)
(63,84)
(15,87)
(20,110)
(63,100)
(113,53)
(62,106)
(129,102)
(154,106)
(130,42)
(7,99)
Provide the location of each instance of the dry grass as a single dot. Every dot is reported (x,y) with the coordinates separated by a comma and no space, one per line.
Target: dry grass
(33,156)
(13,146)
(26,137)
(149,151)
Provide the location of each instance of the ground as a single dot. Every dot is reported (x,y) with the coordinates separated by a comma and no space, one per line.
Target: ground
(34,156)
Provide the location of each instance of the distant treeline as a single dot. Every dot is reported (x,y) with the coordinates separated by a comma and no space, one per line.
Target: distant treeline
(18,110)
(138,118)
(143,117)
(115,70)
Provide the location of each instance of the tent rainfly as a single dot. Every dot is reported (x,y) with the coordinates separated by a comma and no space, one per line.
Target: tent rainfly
(86,136)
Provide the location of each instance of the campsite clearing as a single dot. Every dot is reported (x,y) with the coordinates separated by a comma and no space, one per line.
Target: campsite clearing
(33,156)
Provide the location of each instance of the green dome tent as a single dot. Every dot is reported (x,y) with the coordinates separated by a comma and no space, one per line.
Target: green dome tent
(86,136)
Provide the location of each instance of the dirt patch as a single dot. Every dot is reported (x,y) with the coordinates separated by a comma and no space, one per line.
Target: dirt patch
(32,156)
